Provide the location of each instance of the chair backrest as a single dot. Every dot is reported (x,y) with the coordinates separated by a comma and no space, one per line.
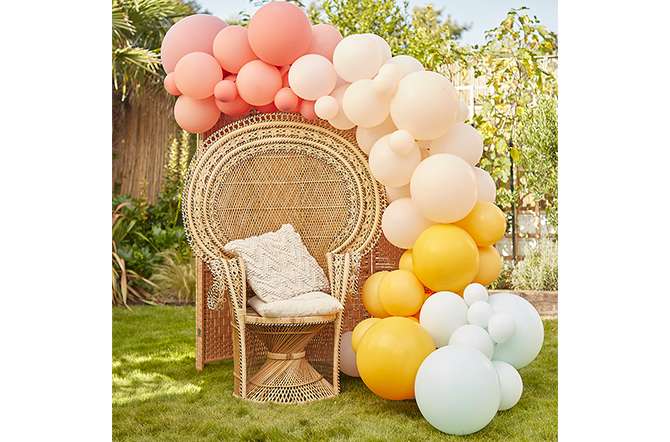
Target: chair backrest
(265,170)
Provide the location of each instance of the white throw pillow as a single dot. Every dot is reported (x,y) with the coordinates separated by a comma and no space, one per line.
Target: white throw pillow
(307,304)
(279,265)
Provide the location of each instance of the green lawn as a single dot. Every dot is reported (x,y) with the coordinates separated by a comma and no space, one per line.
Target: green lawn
(158,395)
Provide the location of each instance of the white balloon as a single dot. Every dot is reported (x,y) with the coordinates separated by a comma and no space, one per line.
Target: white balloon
(395,193)
(364,106)
(461,140)
(469,335)
(408,64)
(383,47)
(511,384)
(402,142)
(457,390)
(501,327)
(312,76)
(486,187)
(326,107)
(366,137)
(388,167)
(526,343)
(340,121)
(475,292)
(441,314)
(348,356)
(479,314)
(357,57)
(402,223)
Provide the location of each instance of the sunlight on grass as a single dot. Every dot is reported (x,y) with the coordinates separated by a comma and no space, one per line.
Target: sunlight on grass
(139,386)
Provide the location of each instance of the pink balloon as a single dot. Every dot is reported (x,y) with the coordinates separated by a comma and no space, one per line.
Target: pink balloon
(196,75)
(196,116)
(312,76)
(268,108)
(279,33)
(258,82)
(307,110)
(324,39)
(170,85)
(194,33)
(236,108)
(286,100)
(231,48)
(225,90)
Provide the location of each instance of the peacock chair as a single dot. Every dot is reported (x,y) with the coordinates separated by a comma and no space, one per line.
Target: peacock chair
(250,177)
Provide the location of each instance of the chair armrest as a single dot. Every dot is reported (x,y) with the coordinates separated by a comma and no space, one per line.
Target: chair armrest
(343,270)
(229,277)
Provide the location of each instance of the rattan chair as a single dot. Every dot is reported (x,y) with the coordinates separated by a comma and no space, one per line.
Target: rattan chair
(250,177)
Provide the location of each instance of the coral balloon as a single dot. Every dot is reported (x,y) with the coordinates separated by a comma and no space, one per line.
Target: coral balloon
(363,105)
(347,356)
(402,223)
(425,105)
(366,137)
(286,100)
(444,187)
(370,295)
(196,75)
(194,33)
(358,57)
(389,356)
(231,48)
(326,107)
(279,33)
(360,330)
(445,258)
(461,140)
(307,110)
(196,116)
(485,223)
(312,76)
(486,187)
(406,63)
(395,193)
(392,169)
(325,38)
(225,90)
(401,293)
(340,121)
(236,108)
(490,265)
(258,82)
(406,262)
(170,85)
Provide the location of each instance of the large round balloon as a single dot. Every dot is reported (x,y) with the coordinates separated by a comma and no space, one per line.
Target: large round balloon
(194,33)
(312,76)
(401,293)
(340,121)
(457,390)
(425,104)
(490,265)
(358,57)
(325,38)
(486,187)
(511,384)
(390,354)
(402,223)
(364,106)
(279,33)
(231,48)
(485,223)
(370,295)
(258,82)
(196,116)
(445,258)
(360,330)
(390,168)
(407,64)
(444,188)
(196,75)
(347,356)
(461,140)
(441,314)
(366,137)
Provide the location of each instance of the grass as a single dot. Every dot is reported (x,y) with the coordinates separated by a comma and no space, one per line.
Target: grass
(158,395)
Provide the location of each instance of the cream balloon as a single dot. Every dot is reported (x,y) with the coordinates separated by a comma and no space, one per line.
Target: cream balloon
(425,104)
(363,105)
(388,167)
(383,47)
(395,193)
(348,356)
(444,187)
(357,57)
(340,121)
(407,63)
(461,140)
(402,142)
(326,107)
(368,136)
(386,80)
(402,223)
(486,187)
(312,76)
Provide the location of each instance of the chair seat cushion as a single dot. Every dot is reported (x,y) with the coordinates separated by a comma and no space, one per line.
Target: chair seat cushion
(278,265)
(306,304)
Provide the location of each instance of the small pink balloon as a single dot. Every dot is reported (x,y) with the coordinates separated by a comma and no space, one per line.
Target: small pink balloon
(196,116)
(286,100)
(170,85)
(231,48)
(225,90)
(307,110)
(279,33)
(236,108)
(258,82)
(324,39)
(194,33)
(267,109)
(197,74)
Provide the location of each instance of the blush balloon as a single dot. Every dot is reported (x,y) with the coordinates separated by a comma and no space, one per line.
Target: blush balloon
(324,39)
(231,48)
(225,90)
(170,85)
(196,75)
(312,76)
(286,100)
(258,82)
(326,107)
(236,108)
(194,115)
(307,110)
(194,33)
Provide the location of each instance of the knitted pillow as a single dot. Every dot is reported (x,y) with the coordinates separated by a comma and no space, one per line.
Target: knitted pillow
(307,304)
(278,265)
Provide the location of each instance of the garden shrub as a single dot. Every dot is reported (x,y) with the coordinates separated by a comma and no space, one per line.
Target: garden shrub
(539,270)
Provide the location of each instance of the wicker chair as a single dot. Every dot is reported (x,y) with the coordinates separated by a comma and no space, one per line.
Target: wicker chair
(250,177)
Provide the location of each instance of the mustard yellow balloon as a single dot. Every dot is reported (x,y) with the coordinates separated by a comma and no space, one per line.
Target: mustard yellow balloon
(370,295)
(406,261)
(389,355)
(401,293)
(445,258)
(485,223)
(490,265)
(360,330)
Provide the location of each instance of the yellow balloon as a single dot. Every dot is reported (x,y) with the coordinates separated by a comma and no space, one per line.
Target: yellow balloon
(370,295)
(490,265)
(445,258)
(389,355)
(360,330)
(485,223)
(401,293)
(406,261)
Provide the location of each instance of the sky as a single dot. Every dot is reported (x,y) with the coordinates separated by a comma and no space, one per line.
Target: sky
(482,14)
